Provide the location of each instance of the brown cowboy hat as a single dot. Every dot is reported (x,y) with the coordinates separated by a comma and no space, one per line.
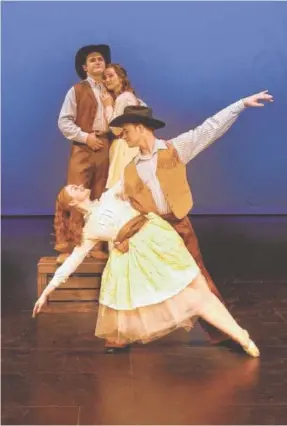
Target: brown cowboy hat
(137,115)
(84,52)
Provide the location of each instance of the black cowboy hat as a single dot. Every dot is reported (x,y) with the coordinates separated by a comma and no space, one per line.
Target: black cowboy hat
(84,52)
(137,115)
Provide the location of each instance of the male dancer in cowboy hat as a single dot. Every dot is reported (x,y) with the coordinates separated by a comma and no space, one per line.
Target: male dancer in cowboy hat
(155,181)
(82,120)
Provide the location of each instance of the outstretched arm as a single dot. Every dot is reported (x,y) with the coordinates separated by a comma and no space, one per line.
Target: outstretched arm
(191,143)
(64,271)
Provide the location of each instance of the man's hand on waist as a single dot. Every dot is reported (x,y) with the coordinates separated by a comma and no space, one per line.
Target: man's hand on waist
(94,142)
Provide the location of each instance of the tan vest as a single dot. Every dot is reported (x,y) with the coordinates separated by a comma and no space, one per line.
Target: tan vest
(87,106)
(171,173)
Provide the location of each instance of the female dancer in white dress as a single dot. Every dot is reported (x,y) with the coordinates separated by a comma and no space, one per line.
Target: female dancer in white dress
(151,284)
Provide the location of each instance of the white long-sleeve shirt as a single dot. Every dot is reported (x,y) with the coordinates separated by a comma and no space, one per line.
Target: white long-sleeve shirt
(123,100)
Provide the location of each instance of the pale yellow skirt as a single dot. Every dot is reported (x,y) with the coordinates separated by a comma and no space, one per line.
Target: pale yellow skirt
(152,289)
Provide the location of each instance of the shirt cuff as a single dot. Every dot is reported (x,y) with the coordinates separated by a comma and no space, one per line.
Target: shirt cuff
(82,137)
(238,107)
(53,284)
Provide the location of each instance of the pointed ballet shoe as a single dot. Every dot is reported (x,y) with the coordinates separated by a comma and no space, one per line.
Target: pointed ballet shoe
(250,348)
(230,344)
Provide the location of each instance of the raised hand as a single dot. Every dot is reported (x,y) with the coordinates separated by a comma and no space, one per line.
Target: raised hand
(258,99)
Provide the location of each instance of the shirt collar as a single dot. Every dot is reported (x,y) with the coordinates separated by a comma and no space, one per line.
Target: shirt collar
(159,144)
(93,83)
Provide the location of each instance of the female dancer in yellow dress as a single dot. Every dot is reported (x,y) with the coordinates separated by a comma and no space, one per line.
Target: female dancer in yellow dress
(151,284)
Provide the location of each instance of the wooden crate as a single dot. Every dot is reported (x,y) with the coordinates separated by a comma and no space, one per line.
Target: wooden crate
(79,293)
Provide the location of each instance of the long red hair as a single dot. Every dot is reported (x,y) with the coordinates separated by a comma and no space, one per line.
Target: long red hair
(68,221)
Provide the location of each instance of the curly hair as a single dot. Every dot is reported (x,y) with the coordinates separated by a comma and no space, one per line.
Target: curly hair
(123,75)
(68,221)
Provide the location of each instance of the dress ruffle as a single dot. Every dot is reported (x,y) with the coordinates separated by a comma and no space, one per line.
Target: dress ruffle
(148,323)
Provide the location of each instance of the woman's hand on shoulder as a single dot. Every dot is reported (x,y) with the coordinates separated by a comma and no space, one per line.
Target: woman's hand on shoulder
(107,98)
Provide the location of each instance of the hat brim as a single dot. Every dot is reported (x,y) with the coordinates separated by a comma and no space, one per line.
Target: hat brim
(84,52)
(151,123)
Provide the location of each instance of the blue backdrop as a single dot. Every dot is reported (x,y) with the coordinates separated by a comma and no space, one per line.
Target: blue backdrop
(186,60)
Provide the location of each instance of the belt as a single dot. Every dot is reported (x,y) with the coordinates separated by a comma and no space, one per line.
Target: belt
(127,231)
(170,217)
(131,228)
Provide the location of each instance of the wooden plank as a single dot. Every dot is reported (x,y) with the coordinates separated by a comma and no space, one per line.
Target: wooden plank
(70,307)
(74,295)
(41,283)
(80,293)
(80,281)
(84,268)
(48,265)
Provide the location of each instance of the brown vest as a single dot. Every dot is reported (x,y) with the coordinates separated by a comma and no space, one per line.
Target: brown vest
(87,106)
(171,173)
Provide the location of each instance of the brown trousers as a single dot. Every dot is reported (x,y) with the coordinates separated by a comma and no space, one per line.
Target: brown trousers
(185,230)
(89,168)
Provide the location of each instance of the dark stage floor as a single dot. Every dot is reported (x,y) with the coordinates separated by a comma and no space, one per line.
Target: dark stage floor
(54,370)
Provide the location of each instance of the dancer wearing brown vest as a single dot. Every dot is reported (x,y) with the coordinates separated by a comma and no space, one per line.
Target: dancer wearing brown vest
(156,181)
(83,121)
